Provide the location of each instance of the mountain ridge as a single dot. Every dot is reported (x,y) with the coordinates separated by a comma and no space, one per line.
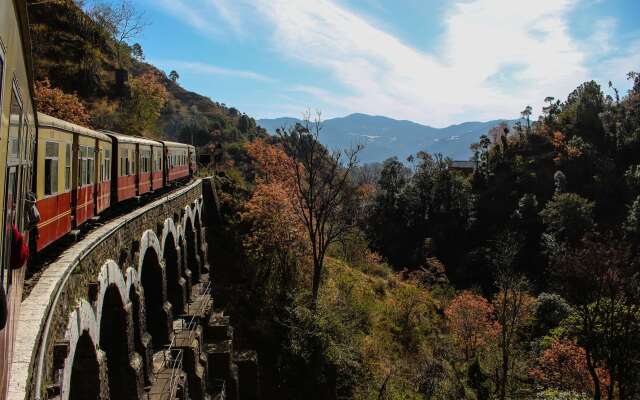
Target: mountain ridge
(386,137)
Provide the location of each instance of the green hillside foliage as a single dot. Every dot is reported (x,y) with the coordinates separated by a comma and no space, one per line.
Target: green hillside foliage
(77,56)
(515,279)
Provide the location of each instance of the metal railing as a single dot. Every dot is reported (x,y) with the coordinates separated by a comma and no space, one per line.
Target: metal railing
(175,355)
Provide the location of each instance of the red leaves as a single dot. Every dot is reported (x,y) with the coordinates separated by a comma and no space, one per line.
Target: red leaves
(564,366)
(55,102)
(471,322)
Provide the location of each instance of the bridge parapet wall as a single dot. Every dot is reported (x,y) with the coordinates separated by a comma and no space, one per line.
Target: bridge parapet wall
(71,284)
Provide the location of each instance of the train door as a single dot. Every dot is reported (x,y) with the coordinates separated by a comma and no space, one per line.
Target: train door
(12,195)
(97,176)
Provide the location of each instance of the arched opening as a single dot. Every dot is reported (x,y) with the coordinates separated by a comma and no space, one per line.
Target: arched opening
(115,344)
(151,280)
(192,261)
(173,274)
(138,326)
(85,372)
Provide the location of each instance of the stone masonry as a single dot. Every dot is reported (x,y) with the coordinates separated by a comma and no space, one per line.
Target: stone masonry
(127,313)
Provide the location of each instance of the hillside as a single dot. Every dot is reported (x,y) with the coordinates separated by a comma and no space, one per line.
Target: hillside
(71,50)
(386,137)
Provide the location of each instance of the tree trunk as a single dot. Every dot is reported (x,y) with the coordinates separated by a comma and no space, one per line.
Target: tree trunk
(594,376)
(317,270)
(504,374)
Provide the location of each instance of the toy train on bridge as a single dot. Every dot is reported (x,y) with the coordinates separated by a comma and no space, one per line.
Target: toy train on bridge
(80,173)
(72,174)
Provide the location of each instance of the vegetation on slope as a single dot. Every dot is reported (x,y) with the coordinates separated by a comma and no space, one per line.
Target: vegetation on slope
(516,280)
(79,55)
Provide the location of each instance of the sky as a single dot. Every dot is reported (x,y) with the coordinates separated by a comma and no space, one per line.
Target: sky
(437,62)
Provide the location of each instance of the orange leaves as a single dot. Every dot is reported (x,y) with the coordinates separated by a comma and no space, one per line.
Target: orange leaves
(564,366)
(59,104)
(274,165)
(564,148)
(270,211)
(471,322)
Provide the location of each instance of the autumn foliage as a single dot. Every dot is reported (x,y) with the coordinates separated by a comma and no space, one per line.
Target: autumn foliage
(142,109)
(564,366)
(275,228)
(55,102)
(471,322)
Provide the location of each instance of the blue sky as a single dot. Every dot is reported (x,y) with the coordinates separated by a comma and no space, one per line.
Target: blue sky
(432,61)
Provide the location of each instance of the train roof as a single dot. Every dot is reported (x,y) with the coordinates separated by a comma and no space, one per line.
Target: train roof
(47,121)
(175,144)
(131,139)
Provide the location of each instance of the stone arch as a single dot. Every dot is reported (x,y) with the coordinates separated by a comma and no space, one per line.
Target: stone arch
(84,367)
(115,335)
(182,255)
(201,247)
(141,338)
(110,274)
(171,253)
(192,257)
(152,278)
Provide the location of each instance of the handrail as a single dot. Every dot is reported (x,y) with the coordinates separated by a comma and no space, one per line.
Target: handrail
(171,349)
(176,368)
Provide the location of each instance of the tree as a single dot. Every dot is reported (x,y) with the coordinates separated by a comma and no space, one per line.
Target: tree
(599,277)
(470,319)
(564,366)
(136,52)
(173,75)
(513,310)
(122,22)
(550,310)
(321,189)
(142,109)
(568,216)
(55,102)
(526,114)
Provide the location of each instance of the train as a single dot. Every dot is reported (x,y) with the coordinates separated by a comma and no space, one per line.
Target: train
(56,176)
(80,173)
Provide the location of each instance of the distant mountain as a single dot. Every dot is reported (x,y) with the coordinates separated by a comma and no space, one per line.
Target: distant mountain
(386,137)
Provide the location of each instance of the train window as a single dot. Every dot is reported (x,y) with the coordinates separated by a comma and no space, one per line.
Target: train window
(51,154)
(91,170)
(82,166)
(107,165)
(15,123)
(67,167)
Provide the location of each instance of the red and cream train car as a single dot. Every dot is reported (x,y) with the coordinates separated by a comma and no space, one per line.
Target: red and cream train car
(139,168)
(177,161)
(74,183)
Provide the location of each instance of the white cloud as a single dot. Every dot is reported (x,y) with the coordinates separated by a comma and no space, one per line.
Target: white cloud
(185,11)
(229,15)
(494,56)
(212,69)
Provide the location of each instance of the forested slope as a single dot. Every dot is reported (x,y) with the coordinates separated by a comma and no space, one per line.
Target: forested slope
(78,56)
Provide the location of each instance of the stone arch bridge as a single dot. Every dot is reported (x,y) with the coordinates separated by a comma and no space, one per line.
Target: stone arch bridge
(127,313)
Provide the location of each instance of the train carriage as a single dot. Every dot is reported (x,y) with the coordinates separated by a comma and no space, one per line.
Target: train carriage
(123,166)
(135,167)
(17,140)
(176,161)
(72,187)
